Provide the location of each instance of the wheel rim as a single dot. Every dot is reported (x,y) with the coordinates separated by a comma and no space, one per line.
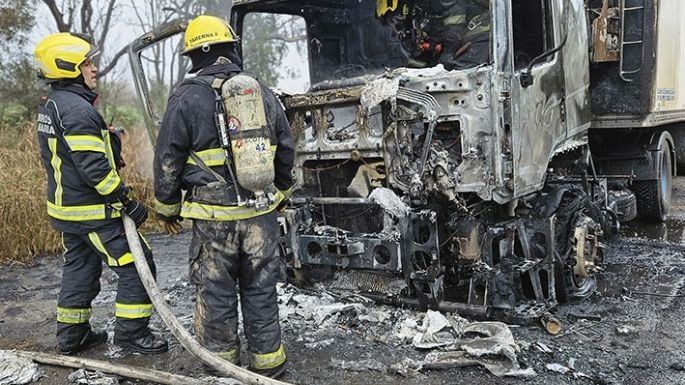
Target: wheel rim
(584,255)
(665,182)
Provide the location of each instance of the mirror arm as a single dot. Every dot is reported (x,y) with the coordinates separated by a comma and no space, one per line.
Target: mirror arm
(526,75)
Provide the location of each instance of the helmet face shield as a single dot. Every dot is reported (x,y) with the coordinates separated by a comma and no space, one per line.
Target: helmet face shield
(60,55)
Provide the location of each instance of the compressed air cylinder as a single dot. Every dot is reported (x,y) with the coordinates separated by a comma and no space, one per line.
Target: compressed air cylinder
(253,155)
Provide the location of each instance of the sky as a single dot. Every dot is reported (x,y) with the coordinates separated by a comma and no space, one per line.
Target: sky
(126,29)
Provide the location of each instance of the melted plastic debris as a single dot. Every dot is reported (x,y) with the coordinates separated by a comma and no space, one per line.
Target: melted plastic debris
(389,201)
(359,366)
(17,370)
(319,344)
(437,70)
(493,346)
(559,368)
(378,91)
(88,377)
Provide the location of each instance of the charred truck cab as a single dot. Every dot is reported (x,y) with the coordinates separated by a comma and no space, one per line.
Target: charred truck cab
(461,185)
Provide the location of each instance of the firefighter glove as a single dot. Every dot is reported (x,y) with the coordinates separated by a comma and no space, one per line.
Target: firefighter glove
(136,210)
(171,225)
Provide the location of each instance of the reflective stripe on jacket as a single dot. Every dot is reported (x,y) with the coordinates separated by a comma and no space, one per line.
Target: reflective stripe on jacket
(80,157)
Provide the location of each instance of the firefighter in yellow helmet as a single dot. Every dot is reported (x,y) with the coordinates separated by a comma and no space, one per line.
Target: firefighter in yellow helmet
(455,33)
(226,142)
(85,200)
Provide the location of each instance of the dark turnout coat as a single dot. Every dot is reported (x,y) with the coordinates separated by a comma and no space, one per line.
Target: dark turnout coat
(80,156)
(188,125)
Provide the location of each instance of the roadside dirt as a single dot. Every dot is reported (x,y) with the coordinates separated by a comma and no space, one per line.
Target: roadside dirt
(629,332)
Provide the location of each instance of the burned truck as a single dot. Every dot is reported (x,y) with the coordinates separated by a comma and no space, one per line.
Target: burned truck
(483,186)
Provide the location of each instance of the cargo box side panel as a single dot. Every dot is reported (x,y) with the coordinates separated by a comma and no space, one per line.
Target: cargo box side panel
(611,95)
(669,95)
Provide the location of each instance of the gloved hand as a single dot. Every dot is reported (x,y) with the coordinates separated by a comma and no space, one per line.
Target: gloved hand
(136,210)
(170,225)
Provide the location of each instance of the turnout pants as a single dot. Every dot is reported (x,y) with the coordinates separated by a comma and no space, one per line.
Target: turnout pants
(83,258)
(231,257)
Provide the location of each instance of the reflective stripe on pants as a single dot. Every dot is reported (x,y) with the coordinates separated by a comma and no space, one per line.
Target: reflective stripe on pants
(81,283)
(271,360)
(73,316)
(133,311)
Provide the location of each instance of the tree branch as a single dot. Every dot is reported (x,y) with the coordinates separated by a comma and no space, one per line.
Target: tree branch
(105,25)
(112,63)
(62,26)
(86,15)
(288,39)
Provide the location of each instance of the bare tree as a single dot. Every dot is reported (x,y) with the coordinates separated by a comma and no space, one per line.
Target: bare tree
(91,17)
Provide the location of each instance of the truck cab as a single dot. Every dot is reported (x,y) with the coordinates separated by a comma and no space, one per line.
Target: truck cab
(427,179)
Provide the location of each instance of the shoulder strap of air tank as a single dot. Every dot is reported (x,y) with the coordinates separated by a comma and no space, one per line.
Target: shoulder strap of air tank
(203,81)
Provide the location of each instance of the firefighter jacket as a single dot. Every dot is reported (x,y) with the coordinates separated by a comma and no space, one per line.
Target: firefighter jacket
(80,157)
(188,125)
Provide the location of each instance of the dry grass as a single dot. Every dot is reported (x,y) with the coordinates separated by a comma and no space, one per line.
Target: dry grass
(24,228)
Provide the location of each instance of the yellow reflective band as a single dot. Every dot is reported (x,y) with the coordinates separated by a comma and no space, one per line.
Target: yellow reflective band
(109,184)
(286,193)
(168,210)
(232,356)
(85,143)
(273,148)
(79,213)
(125,259)
(73,316)
(108,149)
(95,240)
(132,311)
(455,20)
(194,210)
(212,157)
(142,238)
(56,163)
(268,360)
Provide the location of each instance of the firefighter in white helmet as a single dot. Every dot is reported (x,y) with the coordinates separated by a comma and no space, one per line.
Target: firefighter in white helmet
(226,142)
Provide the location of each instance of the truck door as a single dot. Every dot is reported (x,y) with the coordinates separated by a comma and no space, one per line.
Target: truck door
(538,123)
(576,59)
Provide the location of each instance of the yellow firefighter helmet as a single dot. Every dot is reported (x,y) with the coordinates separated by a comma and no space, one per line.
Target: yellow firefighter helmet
(205,30)
(60,54)
(385,6)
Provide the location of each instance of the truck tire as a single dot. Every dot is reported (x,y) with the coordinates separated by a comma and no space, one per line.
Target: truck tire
(624,204)
(654,196)
(574,210)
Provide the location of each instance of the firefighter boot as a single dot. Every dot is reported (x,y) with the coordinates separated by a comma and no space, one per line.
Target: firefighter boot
(90,339)
(148,344)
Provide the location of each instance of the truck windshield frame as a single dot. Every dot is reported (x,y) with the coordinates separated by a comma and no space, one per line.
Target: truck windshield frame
(347,40)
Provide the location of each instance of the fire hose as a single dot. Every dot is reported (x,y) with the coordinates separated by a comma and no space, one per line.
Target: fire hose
(188,342)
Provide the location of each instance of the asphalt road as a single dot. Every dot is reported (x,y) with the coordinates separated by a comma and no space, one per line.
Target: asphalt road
(629,332)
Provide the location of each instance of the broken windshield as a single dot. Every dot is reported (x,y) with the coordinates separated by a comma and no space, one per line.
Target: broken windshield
(350,40)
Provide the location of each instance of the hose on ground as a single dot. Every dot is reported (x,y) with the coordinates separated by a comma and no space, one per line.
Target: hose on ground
(144,374)
(164,311)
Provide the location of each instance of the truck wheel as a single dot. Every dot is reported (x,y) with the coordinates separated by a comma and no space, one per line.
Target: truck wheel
(654,196)
(624,204)
(578,236)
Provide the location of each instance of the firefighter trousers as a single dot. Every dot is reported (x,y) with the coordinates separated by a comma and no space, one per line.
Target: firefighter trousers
(227,257)
(83,258)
